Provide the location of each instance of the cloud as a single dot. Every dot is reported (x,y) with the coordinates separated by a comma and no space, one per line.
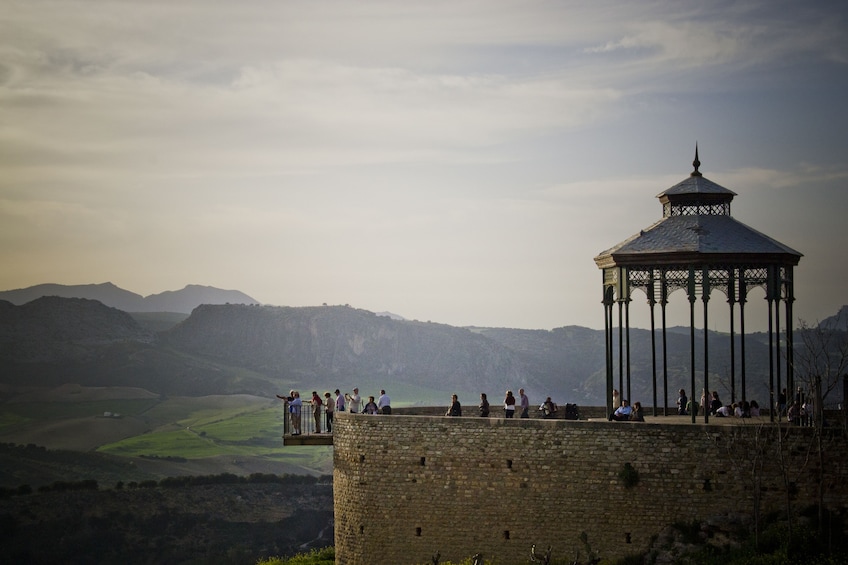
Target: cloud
(459,160)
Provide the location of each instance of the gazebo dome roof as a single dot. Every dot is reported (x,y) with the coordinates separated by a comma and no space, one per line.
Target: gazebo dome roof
(698,240)
(697,230)
(696,184)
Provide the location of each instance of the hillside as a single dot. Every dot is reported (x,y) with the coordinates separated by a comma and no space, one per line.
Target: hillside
(342,346)
(261,350)
(180,301)
(53,329)
(838,321)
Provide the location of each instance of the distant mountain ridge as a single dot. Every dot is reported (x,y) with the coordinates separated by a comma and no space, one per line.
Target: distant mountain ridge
(262,350)
(838,321)
(54,329)
(236,346)
(182,301)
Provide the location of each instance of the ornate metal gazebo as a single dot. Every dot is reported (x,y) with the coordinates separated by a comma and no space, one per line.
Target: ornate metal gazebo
(697,247)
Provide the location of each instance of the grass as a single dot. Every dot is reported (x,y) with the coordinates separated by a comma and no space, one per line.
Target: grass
(200,430)
(185,427)
(246,430)
(10,420)
(32,411)
(204,427)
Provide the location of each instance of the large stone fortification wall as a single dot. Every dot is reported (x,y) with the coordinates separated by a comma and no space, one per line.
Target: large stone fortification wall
(406,486)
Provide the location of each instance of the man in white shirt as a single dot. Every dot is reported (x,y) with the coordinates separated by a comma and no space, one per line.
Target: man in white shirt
(525,404)
(354,401)
(383,403)
(622,414)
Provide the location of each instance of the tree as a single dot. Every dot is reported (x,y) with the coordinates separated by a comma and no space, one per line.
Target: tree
(821,364)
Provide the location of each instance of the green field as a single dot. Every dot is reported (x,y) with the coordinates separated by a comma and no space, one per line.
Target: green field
(215,430)
(207,432)
(237,427)
(40,411)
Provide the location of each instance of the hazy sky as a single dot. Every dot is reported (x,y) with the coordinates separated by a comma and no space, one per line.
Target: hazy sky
(454,161)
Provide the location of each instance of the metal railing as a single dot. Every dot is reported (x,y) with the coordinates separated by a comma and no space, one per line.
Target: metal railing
(305,422)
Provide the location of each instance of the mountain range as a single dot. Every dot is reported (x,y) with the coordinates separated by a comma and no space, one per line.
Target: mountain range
(242,347)
(181,301)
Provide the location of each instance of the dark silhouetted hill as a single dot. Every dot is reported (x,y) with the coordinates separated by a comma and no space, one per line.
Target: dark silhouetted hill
(53,329)
(183,301)
(344,345)
(838,321)
(262,350)
(52,341)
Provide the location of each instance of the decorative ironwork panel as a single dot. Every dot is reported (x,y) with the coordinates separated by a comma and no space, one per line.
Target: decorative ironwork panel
(756,277)
(696,209)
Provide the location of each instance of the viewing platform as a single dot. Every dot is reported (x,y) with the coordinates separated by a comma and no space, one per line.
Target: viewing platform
(309,435)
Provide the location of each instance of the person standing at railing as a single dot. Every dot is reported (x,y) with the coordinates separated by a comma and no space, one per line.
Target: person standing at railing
(287,407)
(384,404)
(525,404)
(329,407)
(509,404)
(354,400)
(340,401)
(484,405)
(294,412)
(317,403)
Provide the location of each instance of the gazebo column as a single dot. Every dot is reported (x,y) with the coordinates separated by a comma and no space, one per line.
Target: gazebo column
(777,359)
(651,303)
(790,342)
(627,344)
(705,297)
(770,301)
(663,304)
(608,345)
(623,300)
(743,298)
(620,347)
(692,298)
(731,300)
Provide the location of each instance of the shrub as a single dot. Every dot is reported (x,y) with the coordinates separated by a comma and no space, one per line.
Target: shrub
(324,556)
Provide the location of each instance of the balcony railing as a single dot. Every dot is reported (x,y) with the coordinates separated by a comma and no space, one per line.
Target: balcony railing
(304,428)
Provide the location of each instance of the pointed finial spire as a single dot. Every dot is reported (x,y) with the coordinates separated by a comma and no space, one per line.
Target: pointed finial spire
(696,163)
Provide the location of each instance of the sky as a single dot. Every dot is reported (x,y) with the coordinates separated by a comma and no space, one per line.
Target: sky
(459,162)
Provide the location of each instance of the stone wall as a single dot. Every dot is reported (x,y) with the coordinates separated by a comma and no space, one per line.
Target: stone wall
(406,486)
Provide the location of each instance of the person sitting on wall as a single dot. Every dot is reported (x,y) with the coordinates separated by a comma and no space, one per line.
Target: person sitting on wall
(715,403)
(637,415)
(794,414)
(724,412)
(622,414)
(692,407)
(548,408)
(371,406)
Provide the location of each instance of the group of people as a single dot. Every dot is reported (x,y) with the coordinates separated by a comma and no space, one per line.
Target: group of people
(351,402)
(711,404)
(623,411)
(800,412)
(511,405)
